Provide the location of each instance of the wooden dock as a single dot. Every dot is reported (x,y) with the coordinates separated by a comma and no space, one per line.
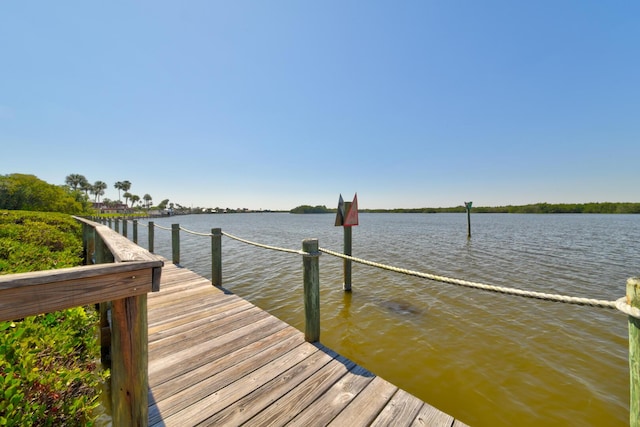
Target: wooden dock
(216,359)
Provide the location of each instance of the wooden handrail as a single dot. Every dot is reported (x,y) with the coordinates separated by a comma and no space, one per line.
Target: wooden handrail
(128,331)
(123,275)
(28,294)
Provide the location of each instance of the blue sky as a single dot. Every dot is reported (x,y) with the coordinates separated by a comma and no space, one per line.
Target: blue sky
(274,104)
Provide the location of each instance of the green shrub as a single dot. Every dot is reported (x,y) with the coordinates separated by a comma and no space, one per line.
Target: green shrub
(48,370)
(32,241)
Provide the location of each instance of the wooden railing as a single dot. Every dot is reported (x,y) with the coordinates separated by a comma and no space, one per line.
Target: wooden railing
(123,275)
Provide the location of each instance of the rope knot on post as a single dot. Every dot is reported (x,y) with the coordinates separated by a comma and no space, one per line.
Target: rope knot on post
(314,254)
(624,306)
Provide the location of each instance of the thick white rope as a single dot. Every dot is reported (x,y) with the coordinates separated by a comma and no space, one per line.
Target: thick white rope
(501,289)
(620,304)
(195,233)
(275,248)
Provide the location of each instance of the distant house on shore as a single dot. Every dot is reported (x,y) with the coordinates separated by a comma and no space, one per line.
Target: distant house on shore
(111,208)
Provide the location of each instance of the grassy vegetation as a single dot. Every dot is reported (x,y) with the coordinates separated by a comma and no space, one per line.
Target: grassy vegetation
(48,371)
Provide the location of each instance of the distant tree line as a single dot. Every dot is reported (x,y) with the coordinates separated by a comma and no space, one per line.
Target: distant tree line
(78,182)
(536,208)
(29,193)
(307,209)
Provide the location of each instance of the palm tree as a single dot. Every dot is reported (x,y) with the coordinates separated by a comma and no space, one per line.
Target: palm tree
(98,189)
(147,199)
(134,198)
(124,186)
(75,180)
(86,187)
(118,186)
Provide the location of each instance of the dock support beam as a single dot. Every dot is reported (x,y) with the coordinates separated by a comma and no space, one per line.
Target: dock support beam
(129,361)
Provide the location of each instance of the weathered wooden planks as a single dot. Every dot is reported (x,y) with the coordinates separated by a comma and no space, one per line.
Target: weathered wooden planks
(215,359)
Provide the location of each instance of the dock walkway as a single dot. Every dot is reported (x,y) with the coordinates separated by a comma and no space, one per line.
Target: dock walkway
(216,359)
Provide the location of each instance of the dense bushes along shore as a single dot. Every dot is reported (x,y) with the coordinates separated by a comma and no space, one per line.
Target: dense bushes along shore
(48,370)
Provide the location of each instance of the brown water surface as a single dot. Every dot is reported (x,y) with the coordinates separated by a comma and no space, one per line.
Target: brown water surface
(488,359)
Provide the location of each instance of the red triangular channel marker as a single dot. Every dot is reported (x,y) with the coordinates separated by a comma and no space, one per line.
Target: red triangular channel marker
(351,218)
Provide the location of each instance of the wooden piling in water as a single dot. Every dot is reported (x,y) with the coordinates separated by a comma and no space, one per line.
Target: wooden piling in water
(468,206)
(310,262)
(150,235)
(346,263)
(175,243)
(125,224)
(135,231)
(216,257)
(633,299)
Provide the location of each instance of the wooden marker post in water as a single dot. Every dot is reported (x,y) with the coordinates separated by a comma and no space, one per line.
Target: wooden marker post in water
(633,299)
(468,206)
(347,217)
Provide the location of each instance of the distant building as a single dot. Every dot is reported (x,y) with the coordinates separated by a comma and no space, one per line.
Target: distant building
(111,208)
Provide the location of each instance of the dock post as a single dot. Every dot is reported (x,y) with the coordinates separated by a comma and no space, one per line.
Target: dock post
(346,264)
(129,361)
(468,206)
(135,231)
(310,262)
(124,227)
(103,256)
(88,243)
(150,236)
(175,243)
(109,222)
(633,298)
(216,257)
(117,225)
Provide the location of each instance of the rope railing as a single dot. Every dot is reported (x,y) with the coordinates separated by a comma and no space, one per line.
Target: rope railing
(476,285)
(620,304)
(260,245)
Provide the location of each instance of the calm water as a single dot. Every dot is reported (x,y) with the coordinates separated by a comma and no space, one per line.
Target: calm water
(485,358)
